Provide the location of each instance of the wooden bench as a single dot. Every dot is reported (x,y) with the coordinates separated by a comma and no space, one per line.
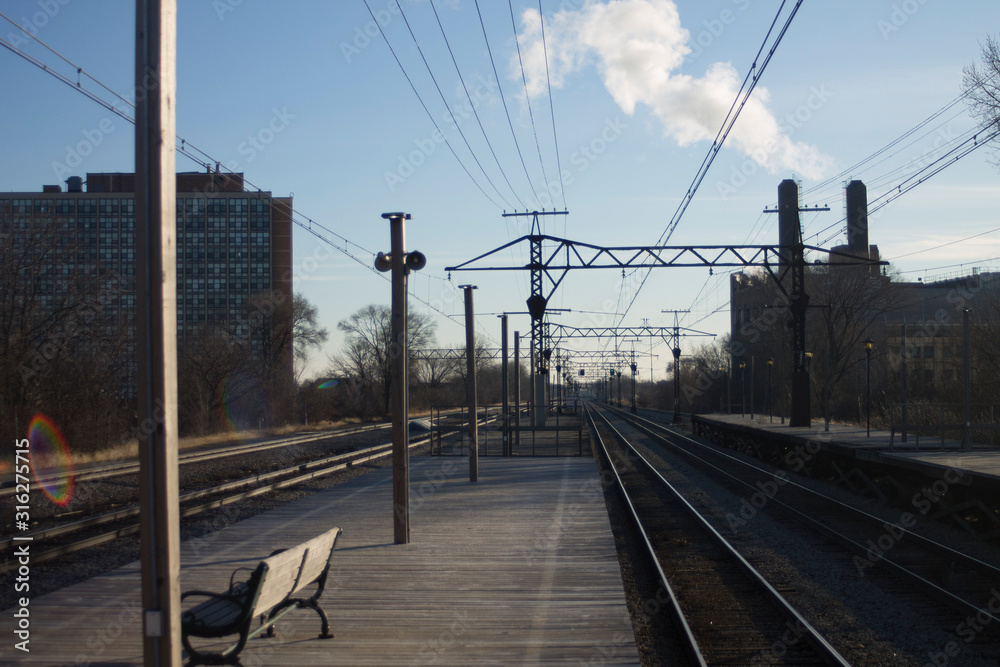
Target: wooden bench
(268,593)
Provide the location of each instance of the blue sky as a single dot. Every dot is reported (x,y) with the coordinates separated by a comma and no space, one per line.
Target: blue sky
(305,98)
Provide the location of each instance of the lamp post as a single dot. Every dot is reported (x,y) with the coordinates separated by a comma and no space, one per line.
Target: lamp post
(770,390)
(868,383)
(743,390)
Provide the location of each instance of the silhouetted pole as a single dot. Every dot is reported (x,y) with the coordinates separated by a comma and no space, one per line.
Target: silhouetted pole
(399,403)
(517,392)
(868,384)
(676,351)
(902,382)
(743,389)
(505,384)
(770,391)
(156,328)
(967,381)
(470,384)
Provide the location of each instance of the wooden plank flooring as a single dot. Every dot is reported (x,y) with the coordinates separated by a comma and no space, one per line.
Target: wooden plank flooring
(519,568)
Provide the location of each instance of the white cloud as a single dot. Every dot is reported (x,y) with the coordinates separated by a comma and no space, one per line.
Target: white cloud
(638,46)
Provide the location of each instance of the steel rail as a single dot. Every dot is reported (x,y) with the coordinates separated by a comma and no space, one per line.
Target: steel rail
(823,647)
(943,594)
(690,642)
(354,458)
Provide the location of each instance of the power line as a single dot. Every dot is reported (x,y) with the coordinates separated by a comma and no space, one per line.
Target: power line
(183,148)
(426,110)
(552,110)
(527,97)
(443,98)
(742,97)
(502,99)
(472,105)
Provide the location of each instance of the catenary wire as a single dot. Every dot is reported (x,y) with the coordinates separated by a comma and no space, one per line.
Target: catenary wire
(472,105)
(437,86)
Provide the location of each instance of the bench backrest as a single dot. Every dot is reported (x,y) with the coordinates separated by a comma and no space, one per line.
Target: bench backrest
(295,568)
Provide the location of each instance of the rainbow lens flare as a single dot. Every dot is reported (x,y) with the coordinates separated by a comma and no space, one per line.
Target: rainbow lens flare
(50,454)
(244,404)
(328,384)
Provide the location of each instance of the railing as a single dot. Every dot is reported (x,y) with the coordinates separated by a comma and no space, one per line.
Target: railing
(517,434)
(942,425)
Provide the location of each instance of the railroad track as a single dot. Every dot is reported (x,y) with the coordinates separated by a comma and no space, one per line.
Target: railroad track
(725,611)
(7,487)
(884,548)
(51,543)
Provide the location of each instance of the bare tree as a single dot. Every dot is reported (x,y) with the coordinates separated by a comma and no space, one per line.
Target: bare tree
(366,354)
(982,86)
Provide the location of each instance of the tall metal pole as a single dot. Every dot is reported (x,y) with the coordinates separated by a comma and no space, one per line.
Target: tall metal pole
(156,328)
(753,384)
(770,391)
(504,383)
(398,403)
(470,383)
(902,382)
(868,391)
(517,392)
(967,381)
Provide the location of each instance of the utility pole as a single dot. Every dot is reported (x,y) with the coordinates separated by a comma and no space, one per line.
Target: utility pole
(156,328)
(399,263)
(967,382)
(676,350)
(504,384)
(470,383)
(792,259)
(536,307)
(517,393)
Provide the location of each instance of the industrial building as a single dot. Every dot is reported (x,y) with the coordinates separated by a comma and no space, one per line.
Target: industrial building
(916,326)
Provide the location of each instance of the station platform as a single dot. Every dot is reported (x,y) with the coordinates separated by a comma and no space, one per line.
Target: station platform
(518,568)
(929,456)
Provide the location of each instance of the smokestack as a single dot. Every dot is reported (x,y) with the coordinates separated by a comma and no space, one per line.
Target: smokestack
(857,218)
(789,233)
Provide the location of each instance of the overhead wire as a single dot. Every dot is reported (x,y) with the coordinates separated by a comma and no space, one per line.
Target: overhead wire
(437,86)
(472,105)
(552,110)
(506,111)
(527,97)
(742,97)
(187,149)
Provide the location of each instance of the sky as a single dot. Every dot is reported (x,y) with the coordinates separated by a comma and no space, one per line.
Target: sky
(306,99)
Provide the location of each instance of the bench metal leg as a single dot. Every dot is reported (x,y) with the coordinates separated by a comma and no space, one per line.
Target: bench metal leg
(298,603)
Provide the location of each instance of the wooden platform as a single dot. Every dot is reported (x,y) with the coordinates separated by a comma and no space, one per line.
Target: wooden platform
(519,568)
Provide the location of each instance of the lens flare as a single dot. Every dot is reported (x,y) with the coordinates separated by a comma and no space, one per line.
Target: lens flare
(243,403)
(328,384)
(50,454)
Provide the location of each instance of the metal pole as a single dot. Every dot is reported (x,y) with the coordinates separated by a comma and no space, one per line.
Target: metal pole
(770,391)
(967,381)
(398,380)
(505,389)
(470,383)
(677,381)
(517,393)
(156,328)
(753,385)
(904,373)
(743,389)
(868,389)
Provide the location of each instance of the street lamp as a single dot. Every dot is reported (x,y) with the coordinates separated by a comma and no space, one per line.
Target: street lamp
(770,390)
(868,383)
(743,390)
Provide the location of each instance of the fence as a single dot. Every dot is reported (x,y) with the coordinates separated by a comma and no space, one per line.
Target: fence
(941,425)
(515,435)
